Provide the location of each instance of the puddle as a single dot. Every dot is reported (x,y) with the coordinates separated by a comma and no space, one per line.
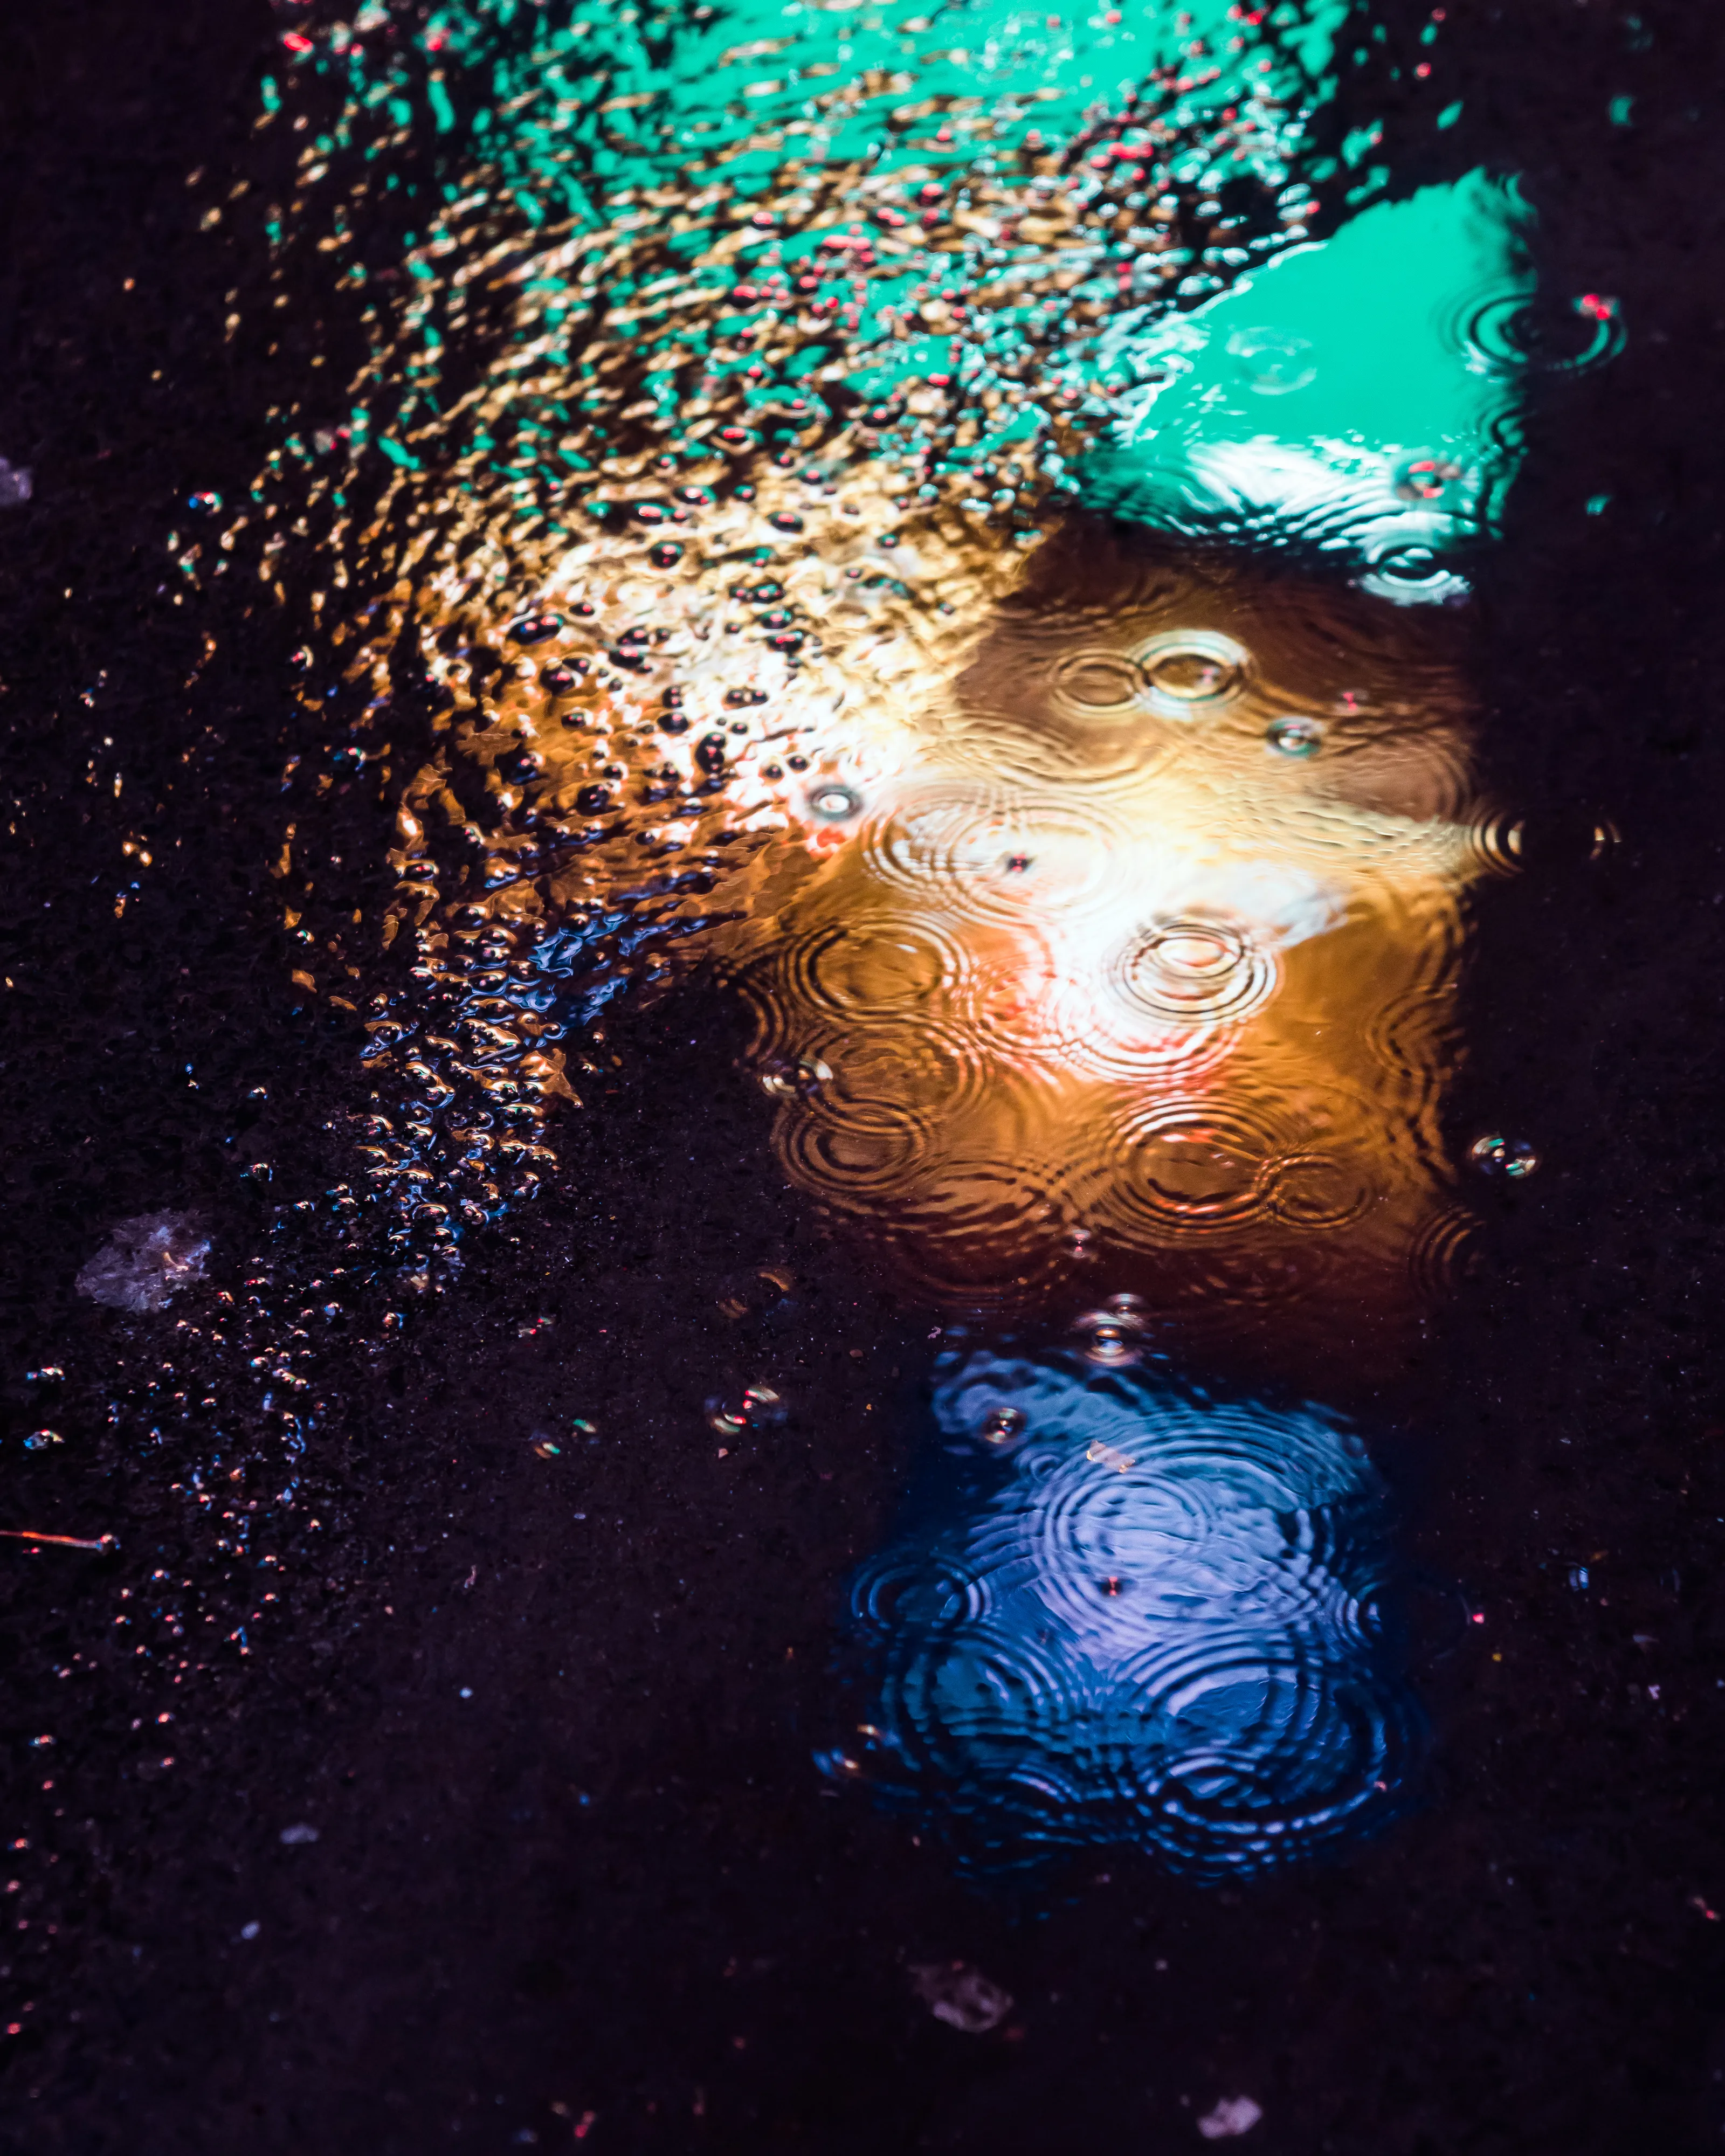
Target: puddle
(986,578)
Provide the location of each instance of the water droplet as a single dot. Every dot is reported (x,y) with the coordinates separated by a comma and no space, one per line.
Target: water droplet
(784,1079)
(534,628)
(1114,1336)
(1295,737)
(833,803)
(1413,576)
(755,1408)
(1511,1158)
(1190,671)
(206,502)
(1427,479)
(666,554)
(1002,1430)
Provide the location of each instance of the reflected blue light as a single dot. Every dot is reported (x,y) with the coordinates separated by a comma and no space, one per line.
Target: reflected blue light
(1156,1621)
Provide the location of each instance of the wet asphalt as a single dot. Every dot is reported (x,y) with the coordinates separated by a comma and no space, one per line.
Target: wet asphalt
(551,1715)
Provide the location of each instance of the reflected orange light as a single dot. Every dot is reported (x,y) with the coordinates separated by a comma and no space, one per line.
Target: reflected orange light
(1106,942)
(1138,973)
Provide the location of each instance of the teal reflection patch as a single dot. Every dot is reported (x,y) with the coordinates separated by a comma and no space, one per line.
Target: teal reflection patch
(1359,395)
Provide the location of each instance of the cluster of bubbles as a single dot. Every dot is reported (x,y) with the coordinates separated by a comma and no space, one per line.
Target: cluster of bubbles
(1124,1613)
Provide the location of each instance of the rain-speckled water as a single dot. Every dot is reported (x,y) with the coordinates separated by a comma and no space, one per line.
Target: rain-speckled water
(1022,651)
(887,716)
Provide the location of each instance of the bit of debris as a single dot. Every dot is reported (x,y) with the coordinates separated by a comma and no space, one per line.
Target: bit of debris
(101,1543)
(16,486)
(961,1996)
(296,1836)
(145,1260)
(1233,2115)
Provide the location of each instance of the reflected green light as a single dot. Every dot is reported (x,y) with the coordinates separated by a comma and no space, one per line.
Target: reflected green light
(1361,394)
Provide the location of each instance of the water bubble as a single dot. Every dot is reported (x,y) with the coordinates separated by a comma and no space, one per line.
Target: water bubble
(1003,1428)
(1190,671)
(1427,478)
(835,804)
(1113,1337)
(1295,737)
(1497,1156)
(755,1408)
(1272,362)
(788,1081)
(1413,576)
